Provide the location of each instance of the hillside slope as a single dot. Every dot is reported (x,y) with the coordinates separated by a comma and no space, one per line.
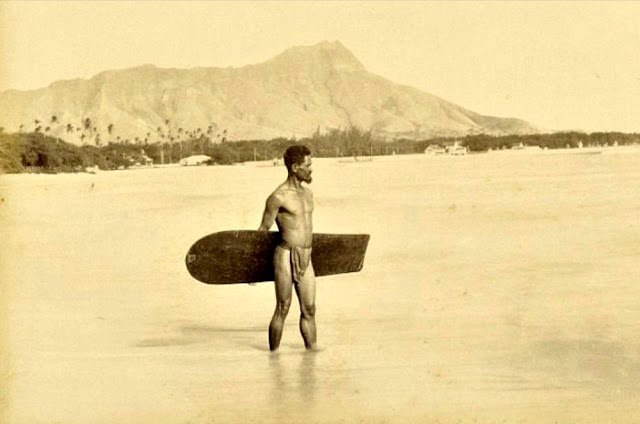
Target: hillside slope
(297,92)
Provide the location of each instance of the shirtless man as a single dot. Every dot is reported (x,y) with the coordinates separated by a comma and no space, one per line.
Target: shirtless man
(291,206)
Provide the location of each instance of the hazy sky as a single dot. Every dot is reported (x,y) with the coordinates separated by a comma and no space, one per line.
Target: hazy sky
(559,65)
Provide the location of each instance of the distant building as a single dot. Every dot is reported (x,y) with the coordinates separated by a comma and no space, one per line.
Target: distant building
(196,160)
(435,149)
(447,148)
(456,148)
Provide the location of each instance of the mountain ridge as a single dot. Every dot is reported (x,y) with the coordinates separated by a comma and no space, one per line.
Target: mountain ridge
(295,93)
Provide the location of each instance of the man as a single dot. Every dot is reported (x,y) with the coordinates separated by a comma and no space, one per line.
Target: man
(291,206)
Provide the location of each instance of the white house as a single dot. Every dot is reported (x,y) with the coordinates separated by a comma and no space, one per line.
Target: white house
(456,149)
(196,160)
(447,148)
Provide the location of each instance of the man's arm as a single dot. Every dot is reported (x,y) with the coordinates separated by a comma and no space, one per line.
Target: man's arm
(270,212)
(269,216)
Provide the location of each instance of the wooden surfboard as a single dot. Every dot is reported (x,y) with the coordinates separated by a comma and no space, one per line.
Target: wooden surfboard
(245,256)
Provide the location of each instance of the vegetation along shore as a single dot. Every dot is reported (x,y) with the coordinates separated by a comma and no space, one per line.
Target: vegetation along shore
(39,152)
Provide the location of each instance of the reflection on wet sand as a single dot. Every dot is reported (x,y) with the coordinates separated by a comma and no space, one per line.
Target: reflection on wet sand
(277,386)
(307,378)
(293,382)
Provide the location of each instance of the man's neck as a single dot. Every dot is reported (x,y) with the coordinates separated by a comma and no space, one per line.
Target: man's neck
(294,182)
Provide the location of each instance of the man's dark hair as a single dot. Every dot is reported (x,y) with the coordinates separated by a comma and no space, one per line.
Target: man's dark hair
(295,154)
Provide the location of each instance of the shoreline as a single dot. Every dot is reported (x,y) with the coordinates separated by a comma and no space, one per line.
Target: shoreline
(626,149)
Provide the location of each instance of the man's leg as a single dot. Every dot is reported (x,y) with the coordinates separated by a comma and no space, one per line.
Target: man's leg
(306,291)
(282,269)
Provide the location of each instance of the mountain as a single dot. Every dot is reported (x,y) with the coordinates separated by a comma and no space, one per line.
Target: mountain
(303,89)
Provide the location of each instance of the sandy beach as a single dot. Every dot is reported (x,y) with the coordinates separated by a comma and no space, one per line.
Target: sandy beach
(497,288)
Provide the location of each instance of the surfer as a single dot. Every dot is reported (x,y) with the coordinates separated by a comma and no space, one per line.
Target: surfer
(290,206)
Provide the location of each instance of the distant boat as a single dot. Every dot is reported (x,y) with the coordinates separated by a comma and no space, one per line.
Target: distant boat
(588,152)
(520,148)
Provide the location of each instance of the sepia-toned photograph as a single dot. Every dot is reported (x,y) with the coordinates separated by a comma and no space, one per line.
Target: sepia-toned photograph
(319,212)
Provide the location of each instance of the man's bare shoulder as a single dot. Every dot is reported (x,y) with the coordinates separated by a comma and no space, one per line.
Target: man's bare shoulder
(281,191)
(275,197)
(284,192)
(279,195)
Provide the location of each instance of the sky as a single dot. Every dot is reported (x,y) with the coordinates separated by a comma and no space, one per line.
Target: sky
(559,65)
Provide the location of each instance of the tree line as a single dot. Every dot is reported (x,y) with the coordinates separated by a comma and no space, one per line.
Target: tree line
(87,132)
(557,140)
(39,151)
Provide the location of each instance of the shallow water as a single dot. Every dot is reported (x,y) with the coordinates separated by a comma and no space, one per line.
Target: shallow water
(497,288)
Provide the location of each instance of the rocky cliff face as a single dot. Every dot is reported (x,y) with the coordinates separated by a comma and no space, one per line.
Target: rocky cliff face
(304,88)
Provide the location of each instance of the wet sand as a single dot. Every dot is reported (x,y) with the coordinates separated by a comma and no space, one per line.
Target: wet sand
(497,288)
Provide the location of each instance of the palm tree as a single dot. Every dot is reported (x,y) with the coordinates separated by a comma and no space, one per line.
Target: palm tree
(86,126)
(69,129)
(166,122)
(209,134)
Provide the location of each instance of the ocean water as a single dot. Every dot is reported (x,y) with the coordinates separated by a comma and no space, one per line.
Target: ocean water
(497,288)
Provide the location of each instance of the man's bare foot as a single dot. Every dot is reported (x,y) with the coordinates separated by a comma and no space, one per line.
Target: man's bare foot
(314,348)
